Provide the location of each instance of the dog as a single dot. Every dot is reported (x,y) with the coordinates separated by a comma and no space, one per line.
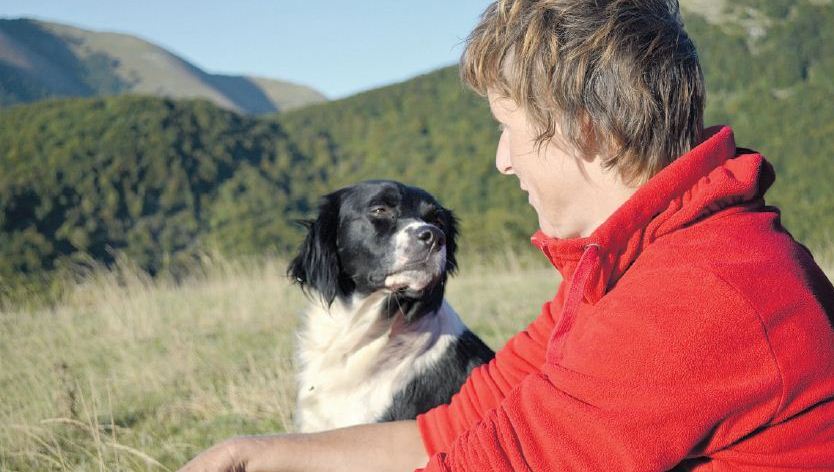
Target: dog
(379,342)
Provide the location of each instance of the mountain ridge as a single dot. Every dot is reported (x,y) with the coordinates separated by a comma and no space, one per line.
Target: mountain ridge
(40,59)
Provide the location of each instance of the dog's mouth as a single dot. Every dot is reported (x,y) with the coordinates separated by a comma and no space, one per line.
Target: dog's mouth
(413,278)
(410,280)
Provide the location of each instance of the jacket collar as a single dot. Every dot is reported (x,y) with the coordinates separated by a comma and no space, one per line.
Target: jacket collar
(703,181)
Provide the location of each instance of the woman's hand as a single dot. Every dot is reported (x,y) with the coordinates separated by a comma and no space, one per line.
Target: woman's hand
(373,447)
(234,455)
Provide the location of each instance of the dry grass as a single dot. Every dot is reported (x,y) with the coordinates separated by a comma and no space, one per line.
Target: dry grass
(134,374)
(130,373)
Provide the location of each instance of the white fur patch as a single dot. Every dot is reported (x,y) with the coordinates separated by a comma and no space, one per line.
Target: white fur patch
(352,363)
(403,242)
(409,273)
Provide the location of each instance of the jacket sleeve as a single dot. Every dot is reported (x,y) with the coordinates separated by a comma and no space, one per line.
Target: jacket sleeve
(641,383)
(490,383)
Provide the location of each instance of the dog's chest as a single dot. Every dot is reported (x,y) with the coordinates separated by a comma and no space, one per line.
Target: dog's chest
(353,364)
(335,392)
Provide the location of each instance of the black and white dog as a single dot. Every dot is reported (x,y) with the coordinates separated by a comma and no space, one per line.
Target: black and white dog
(379,342)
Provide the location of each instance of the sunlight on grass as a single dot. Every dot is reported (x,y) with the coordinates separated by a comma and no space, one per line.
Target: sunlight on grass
(130,373)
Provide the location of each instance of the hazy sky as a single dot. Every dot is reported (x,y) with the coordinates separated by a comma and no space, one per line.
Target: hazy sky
(337,47)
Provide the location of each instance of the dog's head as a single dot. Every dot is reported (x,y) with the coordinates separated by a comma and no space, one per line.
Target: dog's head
(378,236)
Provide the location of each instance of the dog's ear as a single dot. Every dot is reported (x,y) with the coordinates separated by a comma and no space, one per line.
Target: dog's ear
(450,227)
(316,265)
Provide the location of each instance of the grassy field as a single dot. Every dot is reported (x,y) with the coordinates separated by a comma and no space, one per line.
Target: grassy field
(130,373)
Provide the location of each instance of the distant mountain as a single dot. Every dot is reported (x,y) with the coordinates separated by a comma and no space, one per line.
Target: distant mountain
(40,60)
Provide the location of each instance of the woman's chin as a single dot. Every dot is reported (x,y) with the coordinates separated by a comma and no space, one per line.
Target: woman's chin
(559,232)
(549,230)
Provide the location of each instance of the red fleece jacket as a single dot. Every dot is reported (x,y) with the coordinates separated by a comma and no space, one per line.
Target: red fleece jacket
(691,332)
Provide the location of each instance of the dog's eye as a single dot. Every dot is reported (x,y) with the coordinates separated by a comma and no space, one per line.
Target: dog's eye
(435,217)
(380,211)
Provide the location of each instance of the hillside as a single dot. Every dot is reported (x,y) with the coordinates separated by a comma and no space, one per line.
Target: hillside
(429,130)
(775,88)
(83,181)
(40,59)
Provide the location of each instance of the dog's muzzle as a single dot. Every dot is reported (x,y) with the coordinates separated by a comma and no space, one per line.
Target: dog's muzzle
(420,258)
(431,236)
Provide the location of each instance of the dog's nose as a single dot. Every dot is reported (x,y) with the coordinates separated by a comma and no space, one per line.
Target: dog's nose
(430,235)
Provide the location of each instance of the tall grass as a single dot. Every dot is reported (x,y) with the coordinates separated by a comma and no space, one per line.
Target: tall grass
(130,373)
(133,373)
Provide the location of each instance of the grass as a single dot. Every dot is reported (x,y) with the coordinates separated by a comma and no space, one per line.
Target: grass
(130,373)
(133,373)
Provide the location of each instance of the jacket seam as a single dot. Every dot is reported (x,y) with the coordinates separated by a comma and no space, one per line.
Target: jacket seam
(755,312)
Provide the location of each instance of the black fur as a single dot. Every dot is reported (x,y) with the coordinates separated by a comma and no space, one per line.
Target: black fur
(437,387)
(317,262)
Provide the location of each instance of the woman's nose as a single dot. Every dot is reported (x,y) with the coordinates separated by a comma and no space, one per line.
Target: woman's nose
(502,155)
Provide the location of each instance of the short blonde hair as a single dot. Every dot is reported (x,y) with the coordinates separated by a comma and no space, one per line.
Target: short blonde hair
(618,76)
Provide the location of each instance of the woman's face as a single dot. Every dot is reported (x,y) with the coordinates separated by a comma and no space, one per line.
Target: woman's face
(553,175)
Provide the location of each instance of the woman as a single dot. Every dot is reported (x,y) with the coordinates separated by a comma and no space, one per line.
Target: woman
(690,331)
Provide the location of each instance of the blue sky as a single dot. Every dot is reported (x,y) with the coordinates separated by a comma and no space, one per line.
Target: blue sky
(337,47)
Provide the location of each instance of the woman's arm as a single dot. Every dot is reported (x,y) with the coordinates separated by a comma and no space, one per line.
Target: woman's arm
(373,447)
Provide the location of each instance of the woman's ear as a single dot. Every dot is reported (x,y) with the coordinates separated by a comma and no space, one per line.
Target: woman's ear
(594,146)
(316,266)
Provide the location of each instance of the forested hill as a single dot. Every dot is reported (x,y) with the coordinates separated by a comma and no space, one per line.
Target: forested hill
(153,179)
(770,74)
(40,59)
(86,179)
(429,131)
